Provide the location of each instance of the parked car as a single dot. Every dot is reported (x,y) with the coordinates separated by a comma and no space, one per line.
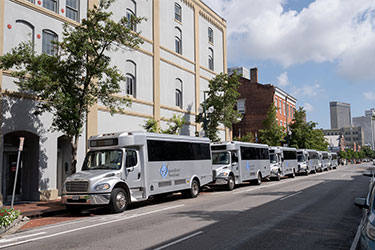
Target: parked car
(367,225)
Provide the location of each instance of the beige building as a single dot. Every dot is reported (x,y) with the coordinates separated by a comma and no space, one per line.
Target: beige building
(184,47)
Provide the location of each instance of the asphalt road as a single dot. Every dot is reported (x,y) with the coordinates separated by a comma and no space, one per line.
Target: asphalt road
(307,212)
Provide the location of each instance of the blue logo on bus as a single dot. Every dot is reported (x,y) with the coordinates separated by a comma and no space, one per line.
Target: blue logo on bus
(164,170)
(247,165)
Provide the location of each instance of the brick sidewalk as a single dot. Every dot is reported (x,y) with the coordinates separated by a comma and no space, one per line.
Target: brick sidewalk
(40,208)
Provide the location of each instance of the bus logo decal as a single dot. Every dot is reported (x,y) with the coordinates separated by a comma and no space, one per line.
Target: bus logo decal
(164,170)
(247,165)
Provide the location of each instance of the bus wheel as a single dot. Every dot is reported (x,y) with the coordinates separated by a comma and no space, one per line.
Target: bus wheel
(292,175)
(193,191)
(258,181)
(119,200)
(230,185)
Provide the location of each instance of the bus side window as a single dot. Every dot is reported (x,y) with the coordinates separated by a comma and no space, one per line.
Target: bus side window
(131,158)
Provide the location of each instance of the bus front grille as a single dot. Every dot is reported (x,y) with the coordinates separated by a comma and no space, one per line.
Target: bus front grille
(77,186)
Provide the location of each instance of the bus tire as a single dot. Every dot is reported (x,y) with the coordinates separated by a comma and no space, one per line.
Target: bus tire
(258,180)
(230,184)
(292,175)
(194,190)
(119,200)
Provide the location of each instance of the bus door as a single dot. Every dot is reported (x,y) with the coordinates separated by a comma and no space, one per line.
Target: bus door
(133,170)
(234,163)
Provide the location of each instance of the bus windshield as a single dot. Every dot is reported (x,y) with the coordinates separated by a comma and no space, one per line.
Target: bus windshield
(220,158)
(273,158)
(300,158)
(103,159)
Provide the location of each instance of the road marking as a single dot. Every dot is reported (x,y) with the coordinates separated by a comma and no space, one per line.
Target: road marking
(178,241)
(286,197)
(8,239)
(90,226)
(356,239)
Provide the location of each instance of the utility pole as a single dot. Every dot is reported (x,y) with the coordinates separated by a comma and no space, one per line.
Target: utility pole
(22,139)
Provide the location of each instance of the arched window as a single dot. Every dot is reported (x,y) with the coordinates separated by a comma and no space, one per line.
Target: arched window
(72,9)
(178,40)
(177,12)
(25,31)
(210,35)
(210,59)
(130,14)
(178,93)
(47,44)
(130,85)
(51,5)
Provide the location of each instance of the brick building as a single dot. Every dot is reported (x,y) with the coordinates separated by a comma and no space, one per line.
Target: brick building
(254,102)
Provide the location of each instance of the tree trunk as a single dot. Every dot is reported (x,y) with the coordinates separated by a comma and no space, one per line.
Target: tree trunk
(74,153)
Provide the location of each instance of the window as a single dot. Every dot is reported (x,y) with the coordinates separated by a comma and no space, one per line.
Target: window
(177,151)
(210,35)
(50,4)
(279,105)
(178,93)
(290,155)
(129,16)
(241,106)
(72,9)
(178,40)
(130,87)
(248,153)
(24,31)
(210,59)
(47,44)
(131,158)
(177,12)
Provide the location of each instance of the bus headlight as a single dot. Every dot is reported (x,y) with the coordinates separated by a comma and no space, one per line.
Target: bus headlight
(103,186)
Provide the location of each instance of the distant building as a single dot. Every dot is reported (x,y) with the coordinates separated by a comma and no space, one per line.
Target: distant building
(368,125)
(352,136)
(340,115)
(243,72)
(255,101)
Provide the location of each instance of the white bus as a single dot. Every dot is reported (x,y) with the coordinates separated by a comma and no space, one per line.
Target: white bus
(236,162)
(132,166)
(283,162)
(333,158)
(307,161)
(324,160)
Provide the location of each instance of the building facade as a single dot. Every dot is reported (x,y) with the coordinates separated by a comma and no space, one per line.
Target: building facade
(184,47)
(368,124)
(352,136)
(340,115)
(255,101)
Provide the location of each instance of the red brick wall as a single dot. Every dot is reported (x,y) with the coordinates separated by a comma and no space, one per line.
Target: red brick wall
(258,97)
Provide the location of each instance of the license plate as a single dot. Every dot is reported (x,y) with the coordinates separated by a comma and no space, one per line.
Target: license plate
(75,197)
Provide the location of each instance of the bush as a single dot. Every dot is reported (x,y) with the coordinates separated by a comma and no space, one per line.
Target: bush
(7,216)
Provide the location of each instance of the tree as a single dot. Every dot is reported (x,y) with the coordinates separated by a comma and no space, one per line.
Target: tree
(79,73)
(222,97)
(174,125)
(304,134)
(249,137)
(271,133)
(151,125)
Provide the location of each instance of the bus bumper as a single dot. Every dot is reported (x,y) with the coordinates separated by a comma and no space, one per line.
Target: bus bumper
(86,199)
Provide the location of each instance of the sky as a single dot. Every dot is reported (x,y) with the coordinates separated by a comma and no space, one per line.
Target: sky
(317,51)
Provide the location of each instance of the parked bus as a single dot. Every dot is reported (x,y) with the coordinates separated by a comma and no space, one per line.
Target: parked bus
(236,162)
(324,160)
(132,166)
(283,162)
(307,161)
(334,161)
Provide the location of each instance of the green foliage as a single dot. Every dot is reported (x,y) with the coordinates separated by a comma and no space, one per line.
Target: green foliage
(304,134)
(222,97)
(368,153)
(7,216)
(174,125)
(272,133)
(343,155)
(151,125)
(249,137)
(80,73)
